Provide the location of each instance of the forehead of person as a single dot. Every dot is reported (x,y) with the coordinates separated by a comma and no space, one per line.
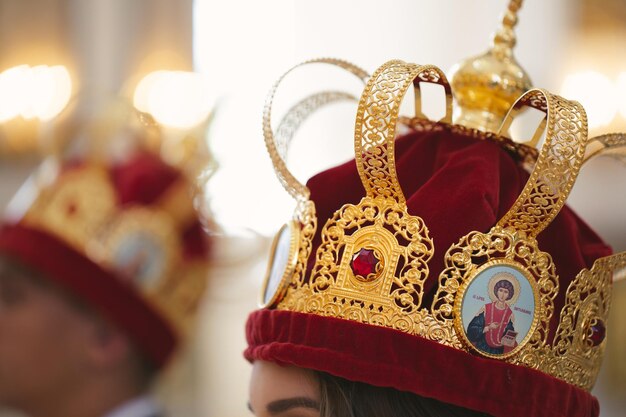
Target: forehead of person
(283,390)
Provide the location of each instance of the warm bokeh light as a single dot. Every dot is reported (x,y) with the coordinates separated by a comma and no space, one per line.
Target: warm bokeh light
(34,92)
(621,93)
(50,91)
(177,99)
(12,97)
(595,92)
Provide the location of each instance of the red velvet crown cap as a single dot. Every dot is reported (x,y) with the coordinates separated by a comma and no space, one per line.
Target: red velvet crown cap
(138,181)
(457,184)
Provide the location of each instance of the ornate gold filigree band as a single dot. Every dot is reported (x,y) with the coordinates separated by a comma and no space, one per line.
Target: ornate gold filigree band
(376,121)
(611,144)
(558,163)
(292,245)
(511,244)
(577,348)
(277,150)
(374,252)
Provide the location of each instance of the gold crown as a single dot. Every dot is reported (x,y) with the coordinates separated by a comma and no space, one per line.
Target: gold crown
(140,243)
(374,256)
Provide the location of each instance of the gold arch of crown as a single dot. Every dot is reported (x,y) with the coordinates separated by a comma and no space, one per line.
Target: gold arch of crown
(305,220)
(392,295)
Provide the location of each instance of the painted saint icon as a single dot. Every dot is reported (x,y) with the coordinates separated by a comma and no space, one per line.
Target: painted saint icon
(140,258)
(498,306)
(492,330)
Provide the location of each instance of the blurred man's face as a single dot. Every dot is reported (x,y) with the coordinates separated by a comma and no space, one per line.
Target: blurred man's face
(41,339)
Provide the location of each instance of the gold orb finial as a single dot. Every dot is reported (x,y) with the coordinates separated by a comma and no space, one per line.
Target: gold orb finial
(486,86)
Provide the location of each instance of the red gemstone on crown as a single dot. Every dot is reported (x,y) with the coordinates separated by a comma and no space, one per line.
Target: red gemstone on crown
(364,262)
(598,332)
(71,208)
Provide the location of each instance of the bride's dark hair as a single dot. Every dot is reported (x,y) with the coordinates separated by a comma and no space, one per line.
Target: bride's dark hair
(342,398)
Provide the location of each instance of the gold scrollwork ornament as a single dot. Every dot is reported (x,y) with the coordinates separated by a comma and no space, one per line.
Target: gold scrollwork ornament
(292,245)
(580,341)
(392,247)
(512,242)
